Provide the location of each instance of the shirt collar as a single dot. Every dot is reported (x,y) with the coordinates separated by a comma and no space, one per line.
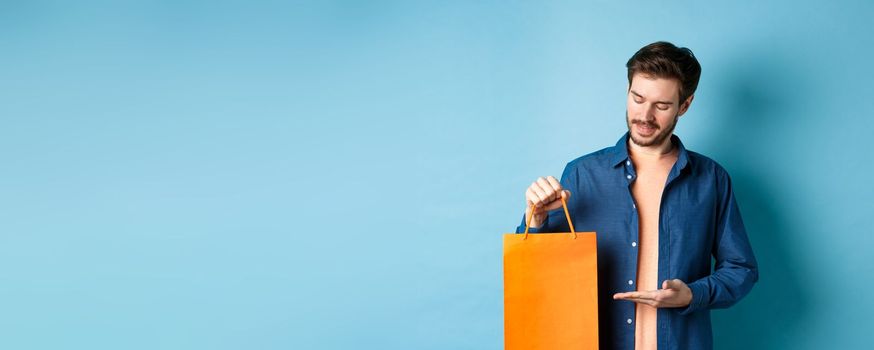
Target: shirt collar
(620,152)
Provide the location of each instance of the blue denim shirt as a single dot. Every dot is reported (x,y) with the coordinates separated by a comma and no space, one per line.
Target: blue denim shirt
(698,220)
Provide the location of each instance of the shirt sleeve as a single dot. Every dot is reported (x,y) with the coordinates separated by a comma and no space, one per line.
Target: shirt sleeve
(736,269)
(555,220)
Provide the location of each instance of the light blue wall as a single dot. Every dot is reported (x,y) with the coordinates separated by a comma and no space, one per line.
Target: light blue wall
(337,175)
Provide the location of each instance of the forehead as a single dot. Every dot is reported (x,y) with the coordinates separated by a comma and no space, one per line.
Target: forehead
(651,87)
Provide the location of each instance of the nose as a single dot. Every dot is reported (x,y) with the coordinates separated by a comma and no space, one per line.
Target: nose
(649,113)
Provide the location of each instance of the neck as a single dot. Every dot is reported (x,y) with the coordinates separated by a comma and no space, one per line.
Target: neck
(660,150)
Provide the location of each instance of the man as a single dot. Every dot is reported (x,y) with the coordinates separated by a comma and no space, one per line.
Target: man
(660,212)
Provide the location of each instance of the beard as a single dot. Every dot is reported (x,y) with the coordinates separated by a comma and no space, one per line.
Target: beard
(656,139)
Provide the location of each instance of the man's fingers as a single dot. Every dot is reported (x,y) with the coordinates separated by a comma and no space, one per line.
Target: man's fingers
(554,183)
(544,193)
(635,297)
(561,193)
(547,189)
(667,297)
(533,198)
(539,193)
(648,295)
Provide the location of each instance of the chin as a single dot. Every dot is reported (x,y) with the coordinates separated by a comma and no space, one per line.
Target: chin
(644,141)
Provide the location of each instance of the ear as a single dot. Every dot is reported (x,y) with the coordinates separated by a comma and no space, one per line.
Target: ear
(685,106)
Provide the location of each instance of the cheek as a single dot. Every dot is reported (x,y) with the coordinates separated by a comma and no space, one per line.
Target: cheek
(665,117)
(633,109)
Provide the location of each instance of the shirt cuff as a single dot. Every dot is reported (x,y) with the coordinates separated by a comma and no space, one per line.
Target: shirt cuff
(700,296)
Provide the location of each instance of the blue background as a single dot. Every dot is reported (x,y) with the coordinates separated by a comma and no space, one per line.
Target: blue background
(334,175)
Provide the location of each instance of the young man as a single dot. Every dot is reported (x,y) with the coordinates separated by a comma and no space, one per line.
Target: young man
(660,212)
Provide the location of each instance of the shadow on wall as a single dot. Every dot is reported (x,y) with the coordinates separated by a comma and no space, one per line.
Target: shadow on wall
(756,106)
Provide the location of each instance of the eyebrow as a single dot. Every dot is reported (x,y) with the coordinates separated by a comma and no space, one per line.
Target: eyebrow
(641,96)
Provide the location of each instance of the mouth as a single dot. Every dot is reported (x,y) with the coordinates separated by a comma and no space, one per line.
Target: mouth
(645,129)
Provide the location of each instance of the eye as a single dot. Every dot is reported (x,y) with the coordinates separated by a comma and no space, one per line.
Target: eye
(662,107)
(638,101)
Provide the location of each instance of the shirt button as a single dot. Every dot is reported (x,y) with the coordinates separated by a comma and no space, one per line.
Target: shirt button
(628,176)
(628,320)
(628,162)
(634,244)
(634,205)
(630,282)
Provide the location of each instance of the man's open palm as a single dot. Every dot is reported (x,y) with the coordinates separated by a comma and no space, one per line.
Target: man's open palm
(674,293)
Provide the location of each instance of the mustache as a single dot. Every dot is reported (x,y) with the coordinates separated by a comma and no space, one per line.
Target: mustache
(645,124)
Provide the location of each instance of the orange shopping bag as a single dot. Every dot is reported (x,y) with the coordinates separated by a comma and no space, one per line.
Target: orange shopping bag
(550,290)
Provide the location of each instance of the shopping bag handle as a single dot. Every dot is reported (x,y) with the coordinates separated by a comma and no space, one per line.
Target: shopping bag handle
(566,215)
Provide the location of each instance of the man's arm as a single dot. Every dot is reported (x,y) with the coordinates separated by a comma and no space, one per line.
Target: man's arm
(736,268)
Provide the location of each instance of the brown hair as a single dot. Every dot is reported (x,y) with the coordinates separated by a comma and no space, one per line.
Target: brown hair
(664,60)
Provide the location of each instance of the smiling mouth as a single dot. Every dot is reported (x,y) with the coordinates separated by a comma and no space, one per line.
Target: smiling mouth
(645,128)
